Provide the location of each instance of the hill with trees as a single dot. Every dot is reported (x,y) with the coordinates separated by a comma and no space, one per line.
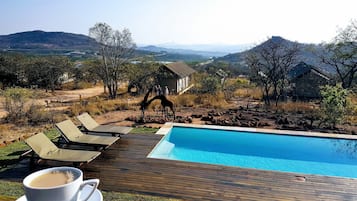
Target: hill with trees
(38,41)
(308,53)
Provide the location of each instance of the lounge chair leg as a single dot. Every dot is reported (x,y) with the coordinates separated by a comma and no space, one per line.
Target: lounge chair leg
(32,164)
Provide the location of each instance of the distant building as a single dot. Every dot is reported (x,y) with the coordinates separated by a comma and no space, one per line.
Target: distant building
(176,76)
(306,81)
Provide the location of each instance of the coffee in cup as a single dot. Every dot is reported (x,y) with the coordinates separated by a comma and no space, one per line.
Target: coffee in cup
(52,179)
(57,184)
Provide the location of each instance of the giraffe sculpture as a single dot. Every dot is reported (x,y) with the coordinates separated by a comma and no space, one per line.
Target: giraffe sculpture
(145,103)
(164,103)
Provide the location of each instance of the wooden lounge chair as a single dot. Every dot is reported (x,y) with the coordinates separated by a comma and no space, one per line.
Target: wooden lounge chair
(45,149)
(72,135)
(91,126)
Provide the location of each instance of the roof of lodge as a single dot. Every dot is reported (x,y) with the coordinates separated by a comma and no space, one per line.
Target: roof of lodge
(302,68)
(179,68)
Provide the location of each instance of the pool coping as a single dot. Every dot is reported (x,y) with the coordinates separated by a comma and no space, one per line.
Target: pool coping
(166,128)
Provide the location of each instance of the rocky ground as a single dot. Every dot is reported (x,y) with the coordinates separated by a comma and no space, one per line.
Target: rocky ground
(240,116)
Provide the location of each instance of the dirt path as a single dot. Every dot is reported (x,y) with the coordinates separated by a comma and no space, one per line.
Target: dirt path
(73,95)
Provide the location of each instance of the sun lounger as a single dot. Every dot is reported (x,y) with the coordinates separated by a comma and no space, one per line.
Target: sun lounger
(73,135)
(91,126)
(47,150)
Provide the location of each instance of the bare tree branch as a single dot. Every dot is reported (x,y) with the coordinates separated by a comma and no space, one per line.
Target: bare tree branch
(116,47)
(269,66)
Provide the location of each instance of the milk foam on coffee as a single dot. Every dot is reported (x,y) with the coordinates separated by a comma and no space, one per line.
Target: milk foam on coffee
(52,179)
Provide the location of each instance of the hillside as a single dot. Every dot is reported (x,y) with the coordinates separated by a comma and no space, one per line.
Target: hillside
(47,40)
(308,54)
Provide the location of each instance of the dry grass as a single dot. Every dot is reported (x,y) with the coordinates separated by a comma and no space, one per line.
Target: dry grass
(254,93)
(185,100)
(296,107)
(200,100)
(100,105)
(351,116)
(73,86)
(240,82)
(211,101)
(12,132)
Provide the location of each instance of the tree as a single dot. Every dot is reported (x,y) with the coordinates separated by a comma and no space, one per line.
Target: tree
(143,75)
(269,65)
(210,84)
(11,68)
(91,71)
(116,47)
(47,71)
(333,104)
(341,54)
(7,75)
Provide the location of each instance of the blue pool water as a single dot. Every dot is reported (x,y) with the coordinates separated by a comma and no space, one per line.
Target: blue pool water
(287,153)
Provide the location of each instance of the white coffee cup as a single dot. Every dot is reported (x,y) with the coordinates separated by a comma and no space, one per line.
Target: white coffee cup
(66,192)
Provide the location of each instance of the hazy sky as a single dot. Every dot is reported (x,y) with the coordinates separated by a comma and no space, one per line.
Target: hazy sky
(185,21)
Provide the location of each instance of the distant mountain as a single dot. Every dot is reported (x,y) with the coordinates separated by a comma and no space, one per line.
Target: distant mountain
(82,46)
(205,54)
(47,40)
(221,48)
(308,54)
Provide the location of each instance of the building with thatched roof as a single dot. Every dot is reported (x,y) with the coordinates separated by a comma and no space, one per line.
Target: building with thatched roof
(306,81)
(176,76)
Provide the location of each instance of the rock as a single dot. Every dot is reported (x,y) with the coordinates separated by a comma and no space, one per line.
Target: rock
(256,119)
(181,121)
(189,119)
(215,121)
(179,117)
(282,121)
(237,123)
(196,115)
(252,123)
(239,116)
(244,124)
(217,114)
(206,118)
(264,123)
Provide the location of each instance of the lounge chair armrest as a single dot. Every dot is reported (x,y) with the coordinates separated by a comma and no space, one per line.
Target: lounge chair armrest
(26,154)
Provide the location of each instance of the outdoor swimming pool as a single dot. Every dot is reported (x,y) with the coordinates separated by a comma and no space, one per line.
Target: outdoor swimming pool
(265,151)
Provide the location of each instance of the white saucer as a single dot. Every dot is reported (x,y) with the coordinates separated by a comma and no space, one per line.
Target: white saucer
(96,196)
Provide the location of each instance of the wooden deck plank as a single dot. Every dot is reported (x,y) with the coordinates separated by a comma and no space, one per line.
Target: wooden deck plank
(125,168)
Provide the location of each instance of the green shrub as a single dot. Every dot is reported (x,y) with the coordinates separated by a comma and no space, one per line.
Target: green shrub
(210,85)
(334,103)
(15,103)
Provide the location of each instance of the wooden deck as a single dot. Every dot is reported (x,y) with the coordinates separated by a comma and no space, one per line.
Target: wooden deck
(125,168)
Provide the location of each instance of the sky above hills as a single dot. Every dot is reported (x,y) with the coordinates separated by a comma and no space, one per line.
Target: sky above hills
(185,21)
